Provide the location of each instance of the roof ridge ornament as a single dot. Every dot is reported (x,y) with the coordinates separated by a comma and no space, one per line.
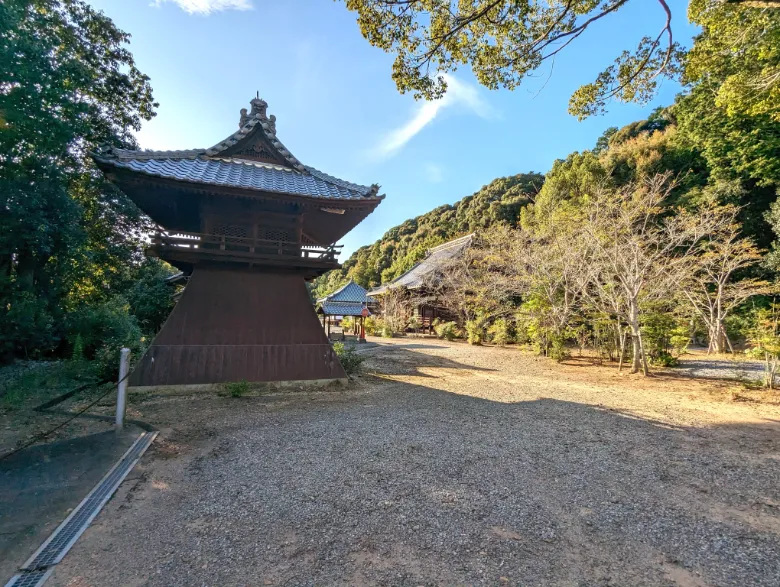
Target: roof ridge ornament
(259,111)
(259,107)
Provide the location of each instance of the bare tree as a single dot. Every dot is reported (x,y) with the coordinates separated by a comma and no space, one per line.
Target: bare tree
(478,279)
(396,305)
(636,254)
(552,263)
(710,289)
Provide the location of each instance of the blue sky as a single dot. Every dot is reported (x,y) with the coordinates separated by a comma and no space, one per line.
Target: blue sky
(338,110)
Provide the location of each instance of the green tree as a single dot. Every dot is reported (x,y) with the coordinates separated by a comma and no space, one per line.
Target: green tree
(731,109)
(505,40)
(67,84)
(739,47)
(149,296)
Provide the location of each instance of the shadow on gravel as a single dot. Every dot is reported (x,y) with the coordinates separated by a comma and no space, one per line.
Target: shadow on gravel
(418,345)
(413,485)
(400,360)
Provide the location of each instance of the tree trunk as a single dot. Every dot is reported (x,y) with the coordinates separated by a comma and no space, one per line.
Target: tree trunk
(645,370)
(636,350)
(717,337)
(622,350)
(636,342)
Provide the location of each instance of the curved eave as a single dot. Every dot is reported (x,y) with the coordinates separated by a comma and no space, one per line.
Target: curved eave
(108,165)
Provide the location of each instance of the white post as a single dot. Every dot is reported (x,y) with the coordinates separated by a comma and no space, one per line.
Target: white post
(121,398)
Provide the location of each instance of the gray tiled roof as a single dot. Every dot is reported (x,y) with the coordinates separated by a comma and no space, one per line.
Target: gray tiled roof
(342,309)
(351,292)
(214,167)
(425,270)
(242,173)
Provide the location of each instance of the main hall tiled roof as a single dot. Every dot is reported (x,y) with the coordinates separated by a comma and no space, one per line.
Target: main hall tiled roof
(429,268)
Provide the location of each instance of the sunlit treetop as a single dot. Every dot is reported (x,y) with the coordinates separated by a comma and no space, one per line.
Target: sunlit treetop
(505,40)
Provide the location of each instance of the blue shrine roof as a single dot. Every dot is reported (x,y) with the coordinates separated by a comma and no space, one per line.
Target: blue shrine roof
(348,300)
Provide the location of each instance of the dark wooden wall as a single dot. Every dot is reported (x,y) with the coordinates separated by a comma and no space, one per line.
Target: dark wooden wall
(239,324)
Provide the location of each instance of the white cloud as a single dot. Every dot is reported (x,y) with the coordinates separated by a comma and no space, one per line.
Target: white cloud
(209,6)
(458,93)
(433,173)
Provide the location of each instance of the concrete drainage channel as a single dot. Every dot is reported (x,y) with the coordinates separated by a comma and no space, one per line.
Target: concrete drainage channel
(41,564)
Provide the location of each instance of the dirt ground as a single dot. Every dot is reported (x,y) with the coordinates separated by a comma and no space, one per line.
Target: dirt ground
(28,384)
(446,464)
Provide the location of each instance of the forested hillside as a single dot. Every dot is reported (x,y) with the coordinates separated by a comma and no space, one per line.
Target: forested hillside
(720,141)
(660,144)
(402,246)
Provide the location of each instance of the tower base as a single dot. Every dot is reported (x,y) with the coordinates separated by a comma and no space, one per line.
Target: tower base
(239,325)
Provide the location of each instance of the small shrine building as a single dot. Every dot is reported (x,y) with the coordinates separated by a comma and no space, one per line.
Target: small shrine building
(349,300)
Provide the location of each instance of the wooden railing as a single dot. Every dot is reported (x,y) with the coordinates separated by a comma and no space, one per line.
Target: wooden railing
(243,246)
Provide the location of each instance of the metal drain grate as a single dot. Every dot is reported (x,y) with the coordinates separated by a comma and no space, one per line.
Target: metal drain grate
(38,567)
(30,579)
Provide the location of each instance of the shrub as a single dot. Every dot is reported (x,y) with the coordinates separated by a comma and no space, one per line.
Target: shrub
(679,340)
(537,325)
(765,341)
(347,323)
(476,330)
(604,338)
(27,327)
(387,332)
(557,349)
(77,354)
(414,323)
(664,359)
(664,338)
(350,359)
(500,332)
(236,388)
(372,325)
(583,334)
(102,330)
(445,330)
(149,296)
(739,326)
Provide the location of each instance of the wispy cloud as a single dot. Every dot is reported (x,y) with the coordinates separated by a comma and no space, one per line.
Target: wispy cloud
(209,6)
(458,93)
(434,173)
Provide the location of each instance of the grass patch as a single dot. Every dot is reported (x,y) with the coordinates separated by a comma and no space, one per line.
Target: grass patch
(236,388)
(29,383)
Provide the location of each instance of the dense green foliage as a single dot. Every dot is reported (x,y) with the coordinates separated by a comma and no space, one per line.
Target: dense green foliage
(71,250)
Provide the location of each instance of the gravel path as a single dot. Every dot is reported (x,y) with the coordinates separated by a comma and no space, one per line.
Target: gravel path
(718,368)
(452,466)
